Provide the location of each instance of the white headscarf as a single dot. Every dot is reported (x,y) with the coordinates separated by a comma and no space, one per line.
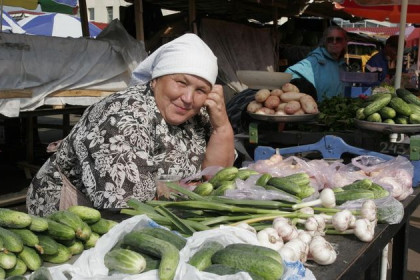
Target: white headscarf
(187,54)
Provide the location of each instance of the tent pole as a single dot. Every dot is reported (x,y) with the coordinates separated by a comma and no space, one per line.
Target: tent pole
(401,40)
(1,16)
(138,19)
(84,18)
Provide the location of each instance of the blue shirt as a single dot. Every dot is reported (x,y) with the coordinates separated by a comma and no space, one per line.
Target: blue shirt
(379,61)
(321,70)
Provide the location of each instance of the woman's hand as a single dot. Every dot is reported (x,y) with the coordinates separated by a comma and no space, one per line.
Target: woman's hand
(220,148)
(216,107)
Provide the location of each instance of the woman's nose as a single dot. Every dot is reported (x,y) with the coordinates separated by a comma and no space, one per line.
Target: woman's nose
(187,96)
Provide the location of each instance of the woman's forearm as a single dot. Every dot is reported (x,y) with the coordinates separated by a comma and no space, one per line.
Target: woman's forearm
(220,148)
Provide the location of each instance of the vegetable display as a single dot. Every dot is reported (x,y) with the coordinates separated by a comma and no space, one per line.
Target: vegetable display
(285,101)
(27,241)
(395,107)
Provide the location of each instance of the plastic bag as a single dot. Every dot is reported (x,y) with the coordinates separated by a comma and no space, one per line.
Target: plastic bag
(90,264)
(389,210)
(395,175)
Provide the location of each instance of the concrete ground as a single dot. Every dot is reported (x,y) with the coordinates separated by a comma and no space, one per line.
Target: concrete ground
(13,180)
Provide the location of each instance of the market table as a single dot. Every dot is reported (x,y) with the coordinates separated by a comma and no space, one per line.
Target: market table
(356,259)
(361,260)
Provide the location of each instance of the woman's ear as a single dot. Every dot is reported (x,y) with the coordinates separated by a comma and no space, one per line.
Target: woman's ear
(153,84)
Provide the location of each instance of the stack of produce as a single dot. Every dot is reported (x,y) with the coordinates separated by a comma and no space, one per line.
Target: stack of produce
(294,230)
(282,102)
(27,241)
(401,107)
(156,248)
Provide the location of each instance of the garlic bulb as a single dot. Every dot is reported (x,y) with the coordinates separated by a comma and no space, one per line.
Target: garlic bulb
(269,238)
(321,251)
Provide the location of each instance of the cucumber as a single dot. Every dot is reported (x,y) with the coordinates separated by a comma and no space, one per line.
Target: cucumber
(60,231)
(305,191)
(153,246)
(102,226)
(38,224)
(225,174)
(285,185)
(401,120)
(221,269)
(224,186)
(151,263)
(360,114)
(69,219)
(244,174)
(91,242)
(76,248)
(390,121)
(125,261)
(261,265)
(16,277)
(85,232)
(41,273)
(166,235)
(14,219)
(301,178)
(63,254)
(263,179)
(342,197)
(7,260)
(204,188)
(202,258)
(2,273)
(366,184)
(414,119)
(87,214)
(414,108)
(377,104)
(387,113)
(11,241)
(257,250)
(407,96)
(18,270)
(30,257)
(400,106)
(28,237)
(375,117)
(48,244)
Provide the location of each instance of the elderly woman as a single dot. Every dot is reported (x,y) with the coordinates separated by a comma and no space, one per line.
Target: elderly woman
(320,70)
(173,120)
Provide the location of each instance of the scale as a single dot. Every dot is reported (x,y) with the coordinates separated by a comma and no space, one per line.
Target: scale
(357,80)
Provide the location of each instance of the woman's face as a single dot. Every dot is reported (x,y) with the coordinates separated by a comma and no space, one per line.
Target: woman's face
(336,43)
(179,97)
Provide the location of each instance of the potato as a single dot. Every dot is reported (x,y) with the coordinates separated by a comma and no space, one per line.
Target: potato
(308,104)
(280,113)
(253,106)
(276,92)
(292,107)
(281,106)
(272,102)
(288,87)
(289,96)
(262,95)
(299,112)
(265,111)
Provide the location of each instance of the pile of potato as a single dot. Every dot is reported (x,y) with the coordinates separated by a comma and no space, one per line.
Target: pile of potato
(281,102)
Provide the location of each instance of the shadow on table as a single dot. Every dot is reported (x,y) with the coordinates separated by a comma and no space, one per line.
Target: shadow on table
(414,241)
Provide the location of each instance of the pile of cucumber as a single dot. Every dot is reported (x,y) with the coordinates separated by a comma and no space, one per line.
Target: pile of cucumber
(26,241)
(295,185)
(401,107)
(156,248)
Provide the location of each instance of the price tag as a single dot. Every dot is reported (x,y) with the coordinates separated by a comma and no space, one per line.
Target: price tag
(387,147)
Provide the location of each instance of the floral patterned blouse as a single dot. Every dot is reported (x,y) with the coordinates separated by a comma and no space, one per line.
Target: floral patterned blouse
(115,151)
